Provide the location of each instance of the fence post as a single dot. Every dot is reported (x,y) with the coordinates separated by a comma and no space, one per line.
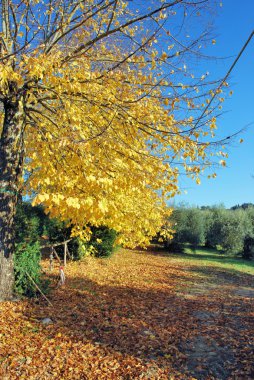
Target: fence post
(65,253)
(51,259)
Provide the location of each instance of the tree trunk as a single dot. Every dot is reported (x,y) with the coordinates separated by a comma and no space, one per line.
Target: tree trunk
(11,161)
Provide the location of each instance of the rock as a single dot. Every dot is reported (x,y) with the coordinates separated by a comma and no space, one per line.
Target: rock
(47,321)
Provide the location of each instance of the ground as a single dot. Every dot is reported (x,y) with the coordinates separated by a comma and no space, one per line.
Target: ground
(137,315)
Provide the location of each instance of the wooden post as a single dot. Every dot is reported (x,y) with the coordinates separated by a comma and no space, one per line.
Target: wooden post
(37,287)
(65,253)
(58,258)
(51,256)
(68,253)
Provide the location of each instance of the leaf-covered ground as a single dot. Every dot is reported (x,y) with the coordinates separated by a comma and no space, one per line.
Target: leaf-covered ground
(137,315)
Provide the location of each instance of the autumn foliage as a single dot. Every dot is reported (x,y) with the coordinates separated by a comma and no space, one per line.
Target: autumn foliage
(108,111)
(103,106)
(138,315)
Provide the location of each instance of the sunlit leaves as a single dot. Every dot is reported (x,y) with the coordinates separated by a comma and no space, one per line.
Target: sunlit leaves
(111,111)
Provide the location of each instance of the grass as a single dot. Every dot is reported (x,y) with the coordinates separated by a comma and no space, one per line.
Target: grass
(210,257)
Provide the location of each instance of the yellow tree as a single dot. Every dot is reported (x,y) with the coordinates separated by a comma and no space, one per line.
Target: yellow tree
(99,110)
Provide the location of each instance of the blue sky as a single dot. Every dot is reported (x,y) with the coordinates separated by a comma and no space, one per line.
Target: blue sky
(234,184)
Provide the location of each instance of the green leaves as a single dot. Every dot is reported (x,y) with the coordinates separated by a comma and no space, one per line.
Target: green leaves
(27,261)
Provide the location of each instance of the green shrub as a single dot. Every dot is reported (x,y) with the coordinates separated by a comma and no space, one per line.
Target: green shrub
(27,263)
(75,247)
(56,230)
(84,249)
(29,223)
(102,241)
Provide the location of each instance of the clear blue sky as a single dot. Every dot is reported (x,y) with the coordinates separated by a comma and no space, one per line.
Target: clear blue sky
(234,184)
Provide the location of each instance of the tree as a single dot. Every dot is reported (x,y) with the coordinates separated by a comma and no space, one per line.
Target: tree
(189,226)
(194,232)
(248,248)
(97,112)
(233,231)
(228,229)
(217,219)
(244,206)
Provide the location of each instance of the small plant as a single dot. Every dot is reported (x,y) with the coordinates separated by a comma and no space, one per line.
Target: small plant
(27,269)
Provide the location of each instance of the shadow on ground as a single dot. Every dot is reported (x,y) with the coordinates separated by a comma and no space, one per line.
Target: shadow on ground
(163,326)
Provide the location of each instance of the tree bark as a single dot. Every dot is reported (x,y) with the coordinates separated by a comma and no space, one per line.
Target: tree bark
(11,162)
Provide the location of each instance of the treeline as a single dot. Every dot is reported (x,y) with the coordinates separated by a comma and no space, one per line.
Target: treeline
(231,231)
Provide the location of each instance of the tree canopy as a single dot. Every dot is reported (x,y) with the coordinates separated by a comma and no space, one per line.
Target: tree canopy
(107,110)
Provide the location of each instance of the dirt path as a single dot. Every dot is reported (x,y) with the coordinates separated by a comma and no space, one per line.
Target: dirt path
(212,353)
(134,316)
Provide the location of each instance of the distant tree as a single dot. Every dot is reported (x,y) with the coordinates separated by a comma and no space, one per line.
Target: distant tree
(189,227)
(233,230)
(244,206)
(227,230)
(194,231)
(214,231)
(248,249)
(207,215)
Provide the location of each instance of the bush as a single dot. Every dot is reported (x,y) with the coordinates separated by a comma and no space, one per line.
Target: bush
(102,241)
(29,223)
(56,230)
(83,249)
(27,263)
(77,248)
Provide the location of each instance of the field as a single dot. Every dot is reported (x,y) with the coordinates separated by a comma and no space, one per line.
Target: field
(136,315)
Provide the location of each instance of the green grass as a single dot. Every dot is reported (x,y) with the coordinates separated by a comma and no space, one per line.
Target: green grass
(212,258)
